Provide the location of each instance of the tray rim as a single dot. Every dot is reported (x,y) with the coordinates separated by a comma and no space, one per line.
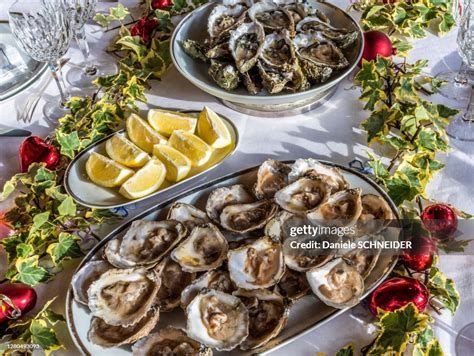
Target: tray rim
(69,297)
(157,193)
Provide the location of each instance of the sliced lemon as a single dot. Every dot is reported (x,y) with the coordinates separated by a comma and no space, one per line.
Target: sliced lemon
(105,172)
(141,134)
(165,122)
(146,181)
(125,152)
(212,129)
(191,146)
(177,164)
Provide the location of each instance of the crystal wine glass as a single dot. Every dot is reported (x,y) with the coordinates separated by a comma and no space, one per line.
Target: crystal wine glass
(80,11)
(44,34)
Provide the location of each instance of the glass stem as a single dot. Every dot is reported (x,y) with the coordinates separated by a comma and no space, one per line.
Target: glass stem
(89,69)
(462,76)
(469,114)
(58,78)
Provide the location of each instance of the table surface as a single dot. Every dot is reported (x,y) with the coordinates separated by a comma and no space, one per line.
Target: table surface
(330,132)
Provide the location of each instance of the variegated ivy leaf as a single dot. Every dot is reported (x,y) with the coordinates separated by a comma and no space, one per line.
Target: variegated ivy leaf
(347,350)
(426,344)
(118,13)
(443,289)
(67,247)
(29,272)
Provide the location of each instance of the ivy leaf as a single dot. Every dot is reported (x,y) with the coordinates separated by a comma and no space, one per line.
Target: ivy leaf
(376,124)
(38,221)
(119,12)
(24,250)
(44,336)
(400,189)
(67,247)
(29,272)
(443,289)
(67,207)
(69,143)
(347,350)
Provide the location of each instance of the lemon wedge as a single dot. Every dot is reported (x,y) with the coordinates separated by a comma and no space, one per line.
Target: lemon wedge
(125,152)
(177,164)
(105,172)
(141,134)
(212,129)
(191,146)
(146,181)
(165,122)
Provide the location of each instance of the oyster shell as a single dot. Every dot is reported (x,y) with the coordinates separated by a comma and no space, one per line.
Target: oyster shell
(194,49)
(272,17)
(278,52)
(341,36)
(304,195)
(218,279)
(83,278)
(275,228)
(222,19)
(144,244)
(245,44)
(188,215)
(173,281)
(364,259)
(243,218)
(224,196)
(224,74)
(122,297)
(105,335)
(341,209)
(256,265)
(293,285)
(304,259)
(170,341)
(268,313)
(273,79)
(217,320)
(205,248)
(375,215)
(337,283)
(271,177)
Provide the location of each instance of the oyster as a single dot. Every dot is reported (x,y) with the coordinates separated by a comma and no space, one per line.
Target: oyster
(341,36)
(272,17)
(194,49)
(188,215)
(268,313)
(252,81)
(278,52)
(205,248)
(121,297)
(275,228)
(173,282)
(219,51)
(218,279)
(271,177)
(217,320)
(256,265)
(314,72)
(145,243)
(222,19)
(293,285)
(337,283)
(375,215)
(170,341)
(304,195)
(105,335)
(245,44)
(83,278)
(247,217)
(224,196)
(341,209)
(304,259)
(364,258)
(273,79)
(224,74)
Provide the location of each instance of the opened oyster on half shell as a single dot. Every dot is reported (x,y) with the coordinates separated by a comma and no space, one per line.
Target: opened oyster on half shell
(83,278)
(225,196)
(272,176)
(188,215)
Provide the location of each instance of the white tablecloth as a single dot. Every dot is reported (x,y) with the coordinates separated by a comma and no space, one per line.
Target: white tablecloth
(330,132)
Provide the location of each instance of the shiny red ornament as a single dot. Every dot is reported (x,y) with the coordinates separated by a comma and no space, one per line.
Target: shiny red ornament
(5,229)
(34,150)
(421,254)
(161,4)
(16,300)
(144,28)
(397,292)
(376,44)
(440,220)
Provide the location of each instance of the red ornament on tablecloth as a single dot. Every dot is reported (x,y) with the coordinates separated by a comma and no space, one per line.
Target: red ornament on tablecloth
(16,300)
(161,4)
(144,28)
(34,150)
(421,254)
(397,292)
(440,220)
(376,44)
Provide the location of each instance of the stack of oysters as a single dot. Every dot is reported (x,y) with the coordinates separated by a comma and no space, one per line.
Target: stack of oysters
(227,268)
(283,45)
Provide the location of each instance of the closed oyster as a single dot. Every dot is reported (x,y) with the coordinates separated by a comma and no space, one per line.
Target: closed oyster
(314,72)
(257,265)
(217,320)
(341,209)
(105,335)
(121,297)
(145,243)
(247,217)
(375,215)
(245,44)
(365,258)
(271,177)
(304,195)
(337,283)
(293,285)
(170,341)
(278,52)
(272,17)
(219,51)
(84,277)
(224,196)
(188,215)
(222,19)
(268,313)
(205,248)
(194,49)
(341,36)
(224,74)
(173,282)
(218,279)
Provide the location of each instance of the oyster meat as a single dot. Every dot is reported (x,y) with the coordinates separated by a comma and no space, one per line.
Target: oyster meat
(375,215)
(304,259)
(247,217)
(293,285)
(343,37)
(272,17)
(222,19)
(224,196)
(245,44)
(188,215)
(278,52)
(217,320)
(83,278)
(364,259)
(272,176)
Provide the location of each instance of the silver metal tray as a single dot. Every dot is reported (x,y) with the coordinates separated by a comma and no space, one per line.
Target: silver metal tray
(306,314)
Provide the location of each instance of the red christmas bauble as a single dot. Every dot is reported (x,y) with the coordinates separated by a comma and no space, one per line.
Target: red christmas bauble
(35,150)
(22,298)
(397,292)
(440,220)
(420,256)
(161,4)
(5,229)
(376,44)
